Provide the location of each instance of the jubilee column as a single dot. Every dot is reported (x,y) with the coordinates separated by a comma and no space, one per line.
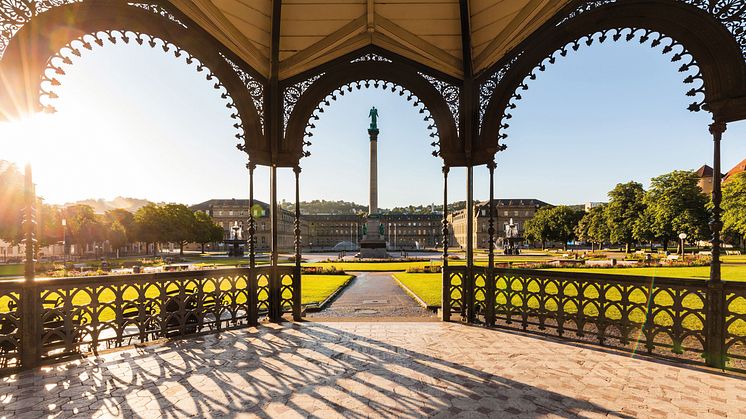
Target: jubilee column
(373,244)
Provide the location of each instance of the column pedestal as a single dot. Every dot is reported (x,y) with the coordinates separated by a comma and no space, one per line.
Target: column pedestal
(373,244)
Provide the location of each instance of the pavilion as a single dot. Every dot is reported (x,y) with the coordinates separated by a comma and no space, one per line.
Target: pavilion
(464,64)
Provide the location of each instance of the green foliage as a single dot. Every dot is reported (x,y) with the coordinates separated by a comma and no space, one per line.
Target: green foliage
(553,224)
(150,227)
(626,205)
(179,224)
(676,204)
(83,226)
(593,227)
(734,206)
(205,229)
(539,228)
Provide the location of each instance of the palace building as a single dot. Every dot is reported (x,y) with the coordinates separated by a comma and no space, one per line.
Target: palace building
(229,212)
(517,210)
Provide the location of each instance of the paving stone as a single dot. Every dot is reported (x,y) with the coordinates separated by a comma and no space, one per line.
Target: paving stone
(370,369)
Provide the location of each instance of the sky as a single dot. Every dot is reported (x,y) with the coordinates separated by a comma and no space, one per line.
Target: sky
(135,122)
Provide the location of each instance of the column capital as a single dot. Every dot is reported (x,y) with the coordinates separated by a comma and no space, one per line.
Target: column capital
(717,127)
(492,165)
(446,169)
(297,170)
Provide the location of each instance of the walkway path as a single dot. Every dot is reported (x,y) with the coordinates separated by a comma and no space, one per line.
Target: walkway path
(372,369)
(373,294)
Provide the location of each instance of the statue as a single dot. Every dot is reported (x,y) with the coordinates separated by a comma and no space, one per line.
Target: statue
(373,115)
(365,230)
(380,229)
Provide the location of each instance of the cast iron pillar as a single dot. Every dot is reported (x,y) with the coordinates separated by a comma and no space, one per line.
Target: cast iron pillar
(715,290)
(446,282)
(252,222)
(469,276)
(30,299)
(297,276)
(490,282)
(275,297)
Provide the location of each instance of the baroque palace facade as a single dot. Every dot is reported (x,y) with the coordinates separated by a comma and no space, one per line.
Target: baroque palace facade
(517,210)
(344,231)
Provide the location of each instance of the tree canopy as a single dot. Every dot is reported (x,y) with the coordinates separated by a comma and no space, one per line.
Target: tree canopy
(734,206)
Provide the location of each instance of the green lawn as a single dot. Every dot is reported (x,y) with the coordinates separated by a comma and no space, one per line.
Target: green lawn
(11,270)
(314,289)
(427,286)
(729,272)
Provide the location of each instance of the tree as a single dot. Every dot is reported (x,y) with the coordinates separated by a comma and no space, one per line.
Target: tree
(83,225)
(677,205)
(626,205)
(593,227)
(734,207)
(120,227)
(179,225)
(205,230)
(563,222)
(150,225)
(539,227)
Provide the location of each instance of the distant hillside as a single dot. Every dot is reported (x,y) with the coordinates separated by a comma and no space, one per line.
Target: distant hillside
(100,206)
(317,206)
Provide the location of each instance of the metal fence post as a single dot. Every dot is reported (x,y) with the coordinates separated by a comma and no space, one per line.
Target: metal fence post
(30,314)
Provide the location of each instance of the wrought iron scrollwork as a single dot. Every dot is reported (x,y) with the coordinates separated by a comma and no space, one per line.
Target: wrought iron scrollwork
(16,13)
(730,13)
(450,93)
(292,94)
(487,88)
(254,88)
(74,49)
(383,84)
(371,57)
(654,39)
(159,10)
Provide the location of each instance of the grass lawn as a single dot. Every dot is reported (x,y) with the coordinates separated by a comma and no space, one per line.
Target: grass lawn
(729,272)
(317,288)
(11,270)
(314,289)
(427,286)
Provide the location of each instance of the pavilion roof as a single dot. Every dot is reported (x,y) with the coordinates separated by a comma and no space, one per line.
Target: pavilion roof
(313,32)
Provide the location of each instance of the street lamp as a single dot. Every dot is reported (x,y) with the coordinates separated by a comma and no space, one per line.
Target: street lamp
(64,240)
(682,236)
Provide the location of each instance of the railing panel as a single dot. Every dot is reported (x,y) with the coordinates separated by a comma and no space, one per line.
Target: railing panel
(454,280)
(87,314)
(661,315)
(735,324)
(10,324)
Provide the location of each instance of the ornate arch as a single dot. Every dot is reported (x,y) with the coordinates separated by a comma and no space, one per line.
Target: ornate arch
(709,52)
(437,99)
(48,39)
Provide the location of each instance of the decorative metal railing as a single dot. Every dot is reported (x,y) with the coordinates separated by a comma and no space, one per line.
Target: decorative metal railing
(80,315)
(661,316)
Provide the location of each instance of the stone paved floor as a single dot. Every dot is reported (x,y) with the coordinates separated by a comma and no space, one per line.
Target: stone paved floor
(370,369)
(373,294)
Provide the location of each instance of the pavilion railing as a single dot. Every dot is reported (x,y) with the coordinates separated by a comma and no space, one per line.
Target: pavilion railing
(659,316)
(80,315)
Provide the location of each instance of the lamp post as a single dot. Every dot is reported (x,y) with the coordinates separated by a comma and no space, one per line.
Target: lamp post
(682,236)
(64,240)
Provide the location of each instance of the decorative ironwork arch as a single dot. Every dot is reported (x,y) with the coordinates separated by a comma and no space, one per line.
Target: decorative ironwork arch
(43,44)
(437,99)
(690,34)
